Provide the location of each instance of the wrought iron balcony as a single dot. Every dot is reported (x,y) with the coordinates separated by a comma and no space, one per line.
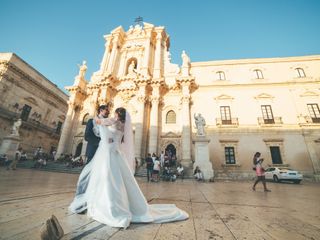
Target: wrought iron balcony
(311,119)
(272,121)
(230,122)
(30,123)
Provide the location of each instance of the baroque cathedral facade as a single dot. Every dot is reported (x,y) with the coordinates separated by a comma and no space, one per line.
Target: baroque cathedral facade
(269,105)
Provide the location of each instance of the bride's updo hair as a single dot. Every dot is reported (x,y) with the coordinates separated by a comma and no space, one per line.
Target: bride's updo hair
(122,114)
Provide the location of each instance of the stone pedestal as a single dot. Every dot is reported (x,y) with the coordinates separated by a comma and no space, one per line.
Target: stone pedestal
(10,145)
(202,159)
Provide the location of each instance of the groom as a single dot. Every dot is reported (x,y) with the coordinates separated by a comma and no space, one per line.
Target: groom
(92,135)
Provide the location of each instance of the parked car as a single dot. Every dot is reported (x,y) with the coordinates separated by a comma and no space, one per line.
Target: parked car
(278,174)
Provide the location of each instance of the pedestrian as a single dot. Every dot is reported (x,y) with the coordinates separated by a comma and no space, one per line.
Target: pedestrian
(17,156)
(260,172)
(149,165)
(156,170)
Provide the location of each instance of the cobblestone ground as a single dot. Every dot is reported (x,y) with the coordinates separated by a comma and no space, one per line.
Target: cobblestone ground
(219,210)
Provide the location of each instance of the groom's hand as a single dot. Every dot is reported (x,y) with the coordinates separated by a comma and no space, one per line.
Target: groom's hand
(98,121)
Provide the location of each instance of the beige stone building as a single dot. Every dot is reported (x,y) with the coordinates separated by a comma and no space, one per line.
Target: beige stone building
(268,105)
(27,94)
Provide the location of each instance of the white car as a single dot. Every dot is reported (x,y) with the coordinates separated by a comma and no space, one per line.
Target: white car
(278,174)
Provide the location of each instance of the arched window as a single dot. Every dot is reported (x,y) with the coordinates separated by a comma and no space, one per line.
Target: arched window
(258,74)
(85,119)
(300,73)
(221,75)
(171,117)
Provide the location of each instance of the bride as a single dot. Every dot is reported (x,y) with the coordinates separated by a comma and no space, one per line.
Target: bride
(107,188)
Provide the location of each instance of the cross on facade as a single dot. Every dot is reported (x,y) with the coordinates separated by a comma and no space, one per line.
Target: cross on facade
(138,20)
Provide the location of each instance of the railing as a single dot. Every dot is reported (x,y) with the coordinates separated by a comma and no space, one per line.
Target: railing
(311,119)
(229,122)
(272,121)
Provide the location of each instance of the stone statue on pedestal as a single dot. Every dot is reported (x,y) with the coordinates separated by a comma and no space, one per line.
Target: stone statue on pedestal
(16,127)
(200,123)
(82,70)
(131,69)
(185,59)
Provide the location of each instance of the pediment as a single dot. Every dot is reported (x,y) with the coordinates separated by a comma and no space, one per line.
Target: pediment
(264,96)
(118,29)
(224,97)
(170,135)
(309,94)
(31,100)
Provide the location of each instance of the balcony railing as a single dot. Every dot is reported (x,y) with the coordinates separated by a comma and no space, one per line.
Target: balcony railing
(229,122)
(30,123)
(272,121)
(311,119)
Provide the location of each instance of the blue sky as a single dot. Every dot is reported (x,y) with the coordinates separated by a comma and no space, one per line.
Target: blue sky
(55,36)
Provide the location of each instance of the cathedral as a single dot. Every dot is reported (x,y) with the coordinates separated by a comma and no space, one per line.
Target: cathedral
(270,105)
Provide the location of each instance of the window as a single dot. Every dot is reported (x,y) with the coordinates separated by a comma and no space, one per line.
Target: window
(58,129)
(275,155)
(300,73)
(25,112)
(221,75)
(314,112)
(171,117)
(225,115)
(258,74)
(85,119)
(229,154)
(267,114)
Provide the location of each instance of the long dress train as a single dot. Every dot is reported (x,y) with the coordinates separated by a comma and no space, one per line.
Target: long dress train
(110,193)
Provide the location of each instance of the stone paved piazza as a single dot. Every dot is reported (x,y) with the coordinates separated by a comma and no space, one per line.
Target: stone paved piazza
(219,210)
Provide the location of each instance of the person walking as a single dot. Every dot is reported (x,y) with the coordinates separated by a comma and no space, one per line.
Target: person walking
(17,156)
(149,163)
(257,161)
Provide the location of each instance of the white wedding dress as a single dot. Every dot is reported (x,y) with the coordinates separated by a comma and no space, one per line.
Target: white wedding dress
(109,191)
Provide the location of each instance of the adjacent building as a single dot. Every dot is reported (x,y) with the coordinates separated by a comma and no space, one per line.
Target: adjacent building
(268,105)
(27,94)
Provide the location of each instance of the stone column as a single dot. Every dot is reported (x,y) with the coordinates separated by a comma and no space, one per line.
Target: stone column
(123,64)
(106,56)
(66,131)
(113,55)
(139,124)
(154,120)
(145,64)
(157,57)
(186,130)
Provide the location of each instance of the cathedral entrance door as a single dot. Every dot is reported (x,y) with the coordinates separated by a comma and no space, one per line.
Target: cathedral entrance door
(78,150)
(171,152)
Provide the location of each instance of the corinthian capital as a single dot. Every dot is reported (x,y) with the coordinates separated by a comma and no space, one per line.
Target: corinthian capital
(155,99)
(185,99)
(142,98)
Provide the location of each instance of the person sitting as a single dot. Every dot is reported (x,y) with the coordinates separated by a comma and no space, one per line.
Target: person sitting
(24,156)
(180,171)
(168,175)
(198,174)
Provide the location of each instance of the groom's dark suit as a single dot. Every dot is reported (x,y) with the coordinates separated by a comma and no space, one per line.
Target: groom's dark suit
(92,139)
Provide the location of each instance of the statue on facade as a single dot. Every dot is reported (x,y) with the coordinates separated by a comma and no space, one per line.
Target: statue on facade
(82,70)
(16,127)
(200,123)
(131,69)
(185,59)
